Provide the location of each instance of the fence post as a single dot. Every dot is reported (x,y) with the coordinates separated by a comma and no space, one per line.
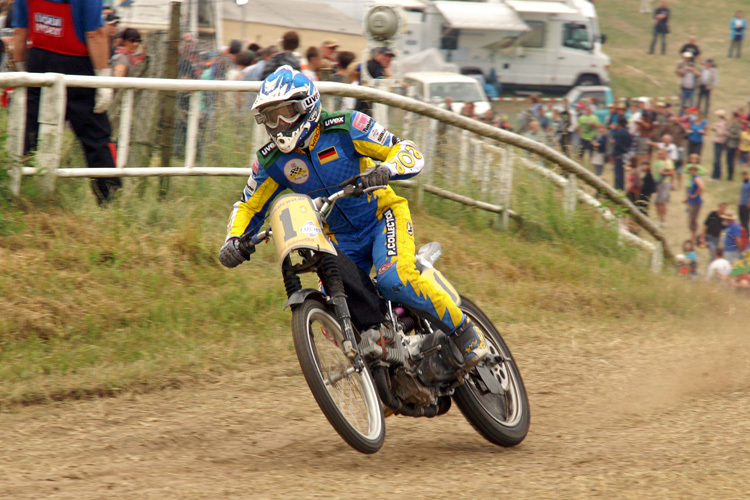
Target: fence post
(463,155)
(51,126)
(506,184)
(571,196)
(657,258)
(126,121)
(167,116)
(191,140)
(16,137)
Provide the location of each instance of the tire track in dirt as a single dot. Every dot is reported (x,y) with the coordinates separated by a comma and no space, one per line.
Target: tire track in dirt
(656,413)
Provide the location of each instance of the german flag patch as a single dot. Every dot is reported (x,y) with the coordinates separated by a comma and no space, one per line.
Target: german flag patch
(328,154)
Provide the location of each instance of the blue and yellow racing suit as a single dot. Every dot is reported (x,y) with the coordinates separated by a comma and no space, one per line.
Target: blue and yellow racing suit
(372,229)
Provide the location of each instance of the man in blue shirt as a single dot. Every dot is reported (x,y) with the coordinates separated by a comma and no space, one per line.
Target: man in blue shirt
(731,238)
(744,206)
(64,36)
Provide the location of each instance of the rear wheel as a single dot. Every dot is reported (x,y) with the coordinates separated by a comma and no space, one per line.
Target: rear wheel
(502,417)
(348,399)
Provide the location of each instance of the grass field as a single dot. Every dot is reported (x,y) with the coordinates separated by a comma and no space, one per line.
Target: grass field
(132,297)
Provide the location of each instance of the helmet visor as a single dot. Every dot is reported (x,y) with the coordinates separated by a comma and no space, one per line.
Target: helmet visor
(281,116)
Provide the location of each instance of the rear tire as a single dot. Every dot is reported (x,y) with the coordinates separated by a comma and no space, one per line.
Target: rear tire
(503,419)
(348,399)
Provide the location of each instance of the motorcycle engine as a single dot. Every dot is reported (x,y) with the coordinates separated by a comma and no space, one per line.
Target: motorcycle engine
(415,378)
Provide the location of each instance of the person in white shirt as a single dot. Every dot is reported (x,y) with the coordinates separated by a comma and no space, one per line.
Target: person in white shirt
(719,267)
(666,143)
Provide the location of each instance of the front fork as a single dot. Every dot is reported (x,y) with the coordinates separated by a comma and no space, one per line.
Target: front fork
(330,275)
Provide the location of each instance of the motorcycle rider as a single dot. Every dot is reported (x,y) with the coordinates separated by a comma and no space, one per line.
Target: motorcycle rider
(312,149)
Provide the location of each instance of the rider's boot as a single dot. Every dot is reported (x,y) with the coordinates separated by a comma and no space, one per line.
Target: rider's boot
(471,343)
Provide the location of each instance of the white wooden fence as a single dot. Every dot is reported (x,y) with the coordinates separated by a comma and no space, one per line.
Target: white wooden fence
(478,144)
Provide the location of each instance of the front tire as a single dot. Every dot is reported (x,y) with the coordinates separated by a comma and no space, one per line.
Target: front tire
(502,419)
(348,399)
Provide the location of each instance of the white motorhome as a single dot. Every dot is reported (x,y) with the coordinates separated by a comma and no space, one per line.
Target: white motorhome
(527,43)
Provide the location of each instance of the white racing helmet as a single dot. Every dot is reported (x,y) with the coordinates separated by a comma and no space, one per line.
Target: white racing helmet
(288,105)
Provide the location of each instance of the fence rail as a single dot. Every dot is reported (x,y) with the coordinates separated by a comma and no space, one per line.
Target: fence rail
(495,142)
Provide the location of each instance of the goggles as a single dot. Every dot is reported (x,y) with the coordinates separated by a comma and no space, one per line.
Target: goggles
(287,112)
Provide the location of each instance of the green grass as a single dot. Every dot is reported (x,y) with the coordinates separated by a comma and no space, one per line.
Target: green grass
(132,297)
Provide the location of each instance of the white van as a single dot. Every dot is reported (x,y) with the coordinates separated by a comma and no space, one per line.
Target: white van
(434,87)
(531,44)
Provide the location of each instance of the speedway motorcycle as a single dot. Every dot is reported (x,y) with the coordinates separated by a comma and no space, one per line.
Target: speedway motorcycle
(406,366)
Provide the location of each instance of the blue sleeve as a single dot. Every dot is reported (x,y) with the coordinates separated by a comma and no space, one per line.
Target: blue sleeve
(20,14)
(87,16)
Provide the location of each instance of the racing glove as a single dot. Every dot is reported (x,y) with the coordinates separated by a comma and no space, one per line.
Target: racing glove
(234,253)
(376,176)
(103,95)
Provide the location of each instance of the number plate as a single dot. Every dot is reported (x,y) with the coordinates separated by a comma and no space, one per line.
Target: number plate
(295,225)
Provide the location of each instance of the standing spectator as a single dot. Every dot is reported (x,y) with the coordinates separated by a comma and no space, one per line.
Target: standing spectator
(587,127)
(648,188)
(289,43)
(744,205)
(661,27)
(719,129)
(691,47)
(744,147)
(732,237)
(737,27)
(125,60)
(644,128)
(314,62)
(698,128)
(599,152)
(467,109)
(676,130)
(707,82)
(694,200)
(633,182)
(536,133)
(623,142)
(254,72)
(69,38)
(688,79)
(713,227)
(379,65)
(662,171)
(328,52)
(734,131)
(719,268)
(568,128)
(112,21)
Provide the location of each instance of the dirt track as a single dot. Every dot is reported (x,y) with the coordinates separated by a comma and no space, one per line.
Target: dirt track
(639,415)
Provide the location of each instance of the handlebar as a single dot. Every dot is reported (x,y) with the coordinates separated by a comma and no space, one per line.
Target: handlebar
(322,204)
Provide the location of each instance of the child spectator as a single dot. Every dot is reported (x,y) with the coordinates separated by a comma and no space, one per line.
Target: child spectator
(648,188)
(719,268)
(599,154)
(663,171)
(690,262)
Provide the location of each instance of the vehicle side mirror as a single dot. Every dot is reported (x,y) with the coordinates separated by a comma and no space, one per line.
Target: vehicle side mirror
(602,38)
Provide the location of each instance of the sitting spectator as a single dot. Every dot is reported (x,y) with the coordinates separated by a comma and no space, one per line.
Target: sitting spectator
(690,260)
(719,268)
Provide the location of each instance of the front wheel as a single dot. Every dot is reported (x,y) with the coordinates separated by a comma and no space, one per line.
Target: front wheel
(348,399)
(502,418)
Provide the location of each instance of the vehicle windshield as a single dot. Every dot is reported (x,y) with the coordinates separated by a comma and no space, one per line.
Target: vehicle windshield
(458,91)
(576,36)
